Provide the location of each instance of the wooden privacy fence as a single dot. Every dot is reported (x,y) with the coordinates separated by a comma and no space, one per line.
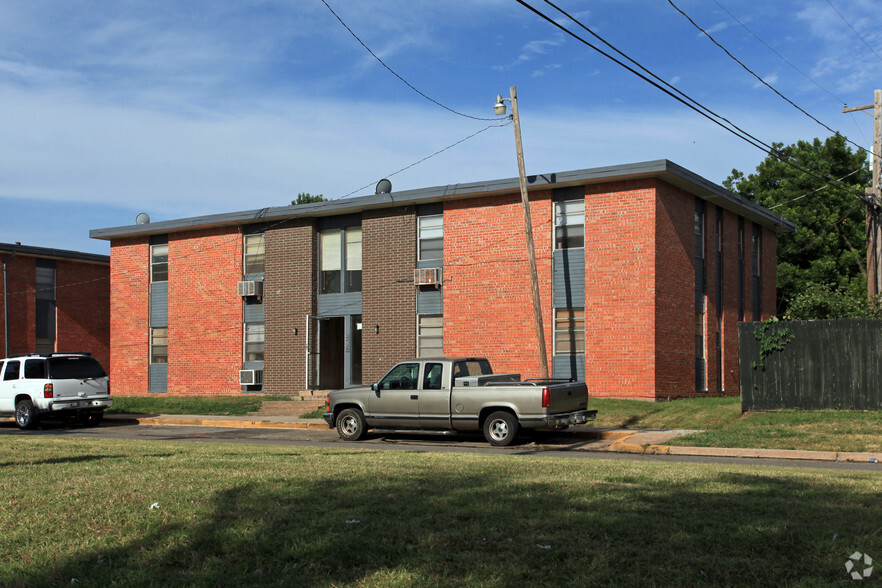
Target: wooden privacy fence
(833,364)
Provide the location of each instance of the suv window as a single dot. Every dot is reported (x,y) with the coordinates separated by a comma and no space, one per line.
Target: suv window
(35,369)
(74,368)
(11,371)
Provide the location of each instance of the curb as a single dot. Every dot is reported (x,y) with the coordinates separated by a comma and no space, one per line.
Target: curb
(622,441)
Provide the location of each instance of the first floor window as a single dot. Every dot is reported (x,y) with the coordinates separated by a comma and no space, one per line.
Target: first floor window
(430,336)
(254,341)
(569,331)
(159,345)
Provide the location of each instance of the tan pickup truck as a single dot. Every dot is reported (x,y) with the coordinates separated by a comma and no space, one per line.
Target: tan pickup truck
(457,394)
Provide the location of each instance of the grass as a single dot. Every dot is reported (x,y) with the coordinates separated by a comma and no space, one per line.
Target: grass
(722,424)
(204,405)
(276,516)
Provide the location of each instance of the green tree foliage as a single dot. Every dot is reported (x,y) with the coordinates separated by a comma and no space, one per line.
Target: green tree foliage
(823,264)
(306,198)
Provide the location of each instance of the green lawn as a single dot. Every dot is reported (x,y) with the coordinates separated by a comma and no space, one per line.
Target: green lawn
(79,511)
(203,405)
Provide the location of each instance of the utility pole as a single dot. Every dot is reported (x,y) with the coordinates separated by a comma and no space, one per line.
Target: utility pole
(874,202)
(499,108)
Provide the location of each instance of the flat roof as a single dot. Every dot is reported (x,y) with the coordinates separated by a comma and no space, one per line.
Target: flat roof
(47,252)
(661,169)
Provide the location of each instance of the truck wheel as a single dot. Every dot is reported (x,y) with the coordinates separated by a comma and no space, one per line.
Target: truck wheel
(350,424)
(92,419)
(25,415)
(501,428)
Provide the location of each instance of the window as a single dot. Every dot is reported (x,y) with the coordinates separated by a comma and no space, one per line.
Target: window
(430,241)
(432,379)
(404,376)
(340,257)
(11,371)
(45,306)
(569,331)
(159,345)
(255,253)
(430,336)
(255,336)
(35,369)
(756,263)
(569,224)
(700,297)
(159,263)
(471,367)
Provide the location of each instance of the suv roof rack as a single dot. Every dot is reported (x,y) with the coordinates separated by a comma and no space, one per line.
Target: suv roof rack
(49,354)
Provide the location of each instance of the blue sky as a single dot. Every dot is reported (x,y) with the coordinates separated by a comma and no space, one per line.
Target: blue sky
(186,108)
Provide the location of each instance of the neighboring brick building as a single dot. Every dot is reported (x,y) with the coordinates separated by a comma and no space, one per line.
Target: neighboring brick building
(644,271)
(55,300)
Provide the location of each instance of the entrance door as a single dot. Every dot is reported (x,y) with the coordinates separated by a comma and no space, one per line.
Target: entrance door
(331,346)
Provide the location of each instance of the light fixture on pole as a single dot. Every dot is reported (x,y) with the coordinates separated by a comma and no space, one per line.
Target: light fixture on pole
(499,109)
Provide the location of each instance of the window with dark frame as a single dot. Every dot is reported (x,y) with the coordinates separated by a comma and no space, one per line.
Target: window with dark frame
(569,331)
(430,238)
(569,224)
(341,265)
(430,336)
(159,345)
(159,263)
(255,253)
(255,337)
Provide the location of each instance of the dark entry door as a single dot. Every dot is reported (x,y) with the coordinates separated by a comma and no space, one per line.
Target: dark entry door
(332,338)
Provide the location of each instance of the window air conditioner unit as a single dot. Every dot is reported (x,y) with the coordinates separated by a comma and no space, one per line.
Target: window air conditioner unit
(427,276)
(251,288)
(250,377)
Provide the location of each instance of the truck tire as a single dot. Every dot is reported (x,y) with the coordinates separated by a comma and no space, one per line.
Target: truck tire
(350,424)
(25,414)
(501,428)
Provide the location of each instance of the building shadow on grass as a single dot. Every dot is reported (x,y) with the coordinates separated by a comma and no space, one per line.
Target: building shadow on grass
(487,525)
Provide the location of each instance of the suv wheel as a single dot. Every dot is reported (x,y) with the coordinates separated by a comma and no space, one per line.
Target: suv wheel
(25,415)
(92,419)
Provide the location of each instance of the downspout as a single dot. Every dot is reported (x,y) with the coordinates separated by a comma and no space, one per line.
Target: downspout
(6,304)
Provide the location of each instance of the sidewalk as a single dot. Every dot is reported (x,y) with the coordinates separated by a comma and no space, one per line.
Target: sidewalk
(591,438)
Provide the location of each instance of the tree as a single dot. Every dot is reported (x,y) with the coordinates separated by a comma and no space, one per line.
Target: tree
(826,257)
(306,198)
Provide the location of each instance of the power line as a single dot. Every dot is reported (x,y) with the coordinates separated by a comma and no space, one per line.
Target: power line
(677,94)
(394,73)
(751,72)
(857,34)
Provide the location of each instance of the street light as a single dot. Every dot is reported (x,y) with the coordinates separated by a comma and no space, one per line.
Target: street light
(499,109)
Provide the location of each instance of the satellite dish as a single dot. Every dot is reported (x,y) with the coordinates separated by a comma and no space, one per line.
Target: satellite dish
(142,219)
(384,186)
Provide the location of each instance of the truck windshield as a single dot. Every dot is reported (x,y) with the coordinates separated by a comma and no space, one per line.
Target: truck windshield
(472,367)
(75,368)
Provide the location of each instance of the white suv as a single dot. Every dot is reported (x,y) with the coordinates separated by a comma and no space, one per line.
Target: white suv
(63,384)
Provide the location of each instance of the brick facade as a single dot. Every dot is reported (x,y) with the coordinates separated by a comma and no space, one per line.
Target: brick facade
(289,296)
(82,305)
(639,289)
(388,294)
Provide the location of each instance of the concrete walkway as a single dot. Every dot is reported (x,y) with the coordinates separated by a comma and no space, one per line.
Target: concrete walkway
(593,439)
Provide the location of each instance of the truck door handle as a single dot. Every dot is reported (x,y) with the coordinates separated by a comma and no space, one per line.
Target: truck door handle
(414,397)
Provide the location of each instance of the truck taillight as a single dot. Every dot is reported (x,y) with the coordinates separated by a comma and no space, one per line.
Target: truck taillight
(546,398)
(327,404)
(48,391)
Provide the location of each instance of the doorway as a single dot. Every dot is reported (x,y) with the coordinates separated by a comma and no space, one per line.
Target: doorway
(339,356)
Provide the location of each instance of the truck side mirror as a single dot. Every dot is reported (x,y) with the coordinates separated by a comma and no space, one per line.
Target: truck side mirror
(375,386)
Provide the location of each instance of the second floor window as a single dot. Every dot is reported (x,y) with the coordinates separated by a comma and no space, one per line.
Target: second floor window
(255,253)
(159,263)
(340,260)
(569,224)
(431,237)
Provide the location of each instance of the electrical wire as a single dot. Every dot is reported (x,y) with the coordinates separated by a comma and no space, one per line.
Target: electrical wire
(677,94)
(394,73)
(857,34)
(760,79)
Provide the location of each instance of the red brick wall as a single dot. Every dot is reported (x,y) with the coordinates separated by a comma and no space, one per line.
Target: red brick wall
(82,299)
(730,304)
(289,295)
(21,280)
(129,316)
(388,293)
(204,312)
(620,270)
(488,308)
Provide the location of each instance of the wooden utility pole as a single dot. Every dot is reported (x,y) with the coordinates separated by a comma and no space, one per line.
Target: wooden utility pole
(874,202)
(528,229)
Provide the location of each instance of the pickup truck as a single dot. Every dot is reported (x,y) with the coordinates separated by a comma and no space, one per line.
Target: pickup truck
(457,394)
